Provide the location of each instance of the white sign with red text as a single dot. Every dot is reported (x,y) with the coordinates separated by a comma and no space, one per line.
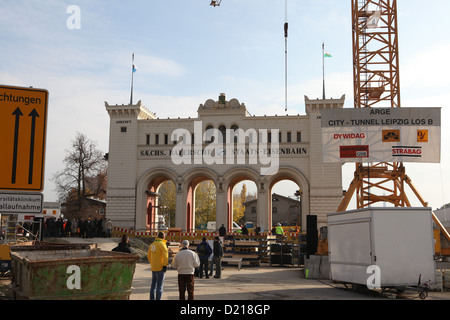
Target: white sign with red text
(381,135)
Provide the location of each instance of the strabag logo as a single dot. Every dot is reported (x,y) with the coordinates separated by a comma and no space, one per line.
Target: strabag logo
(414,152)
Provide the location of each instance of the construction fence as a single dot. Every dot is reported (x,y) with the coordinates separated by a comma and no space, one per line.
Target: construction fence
(178,236)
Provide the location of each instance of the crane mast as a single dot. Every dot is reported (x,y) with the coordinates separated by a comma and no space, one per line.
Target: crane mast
(375,50)
(377,84)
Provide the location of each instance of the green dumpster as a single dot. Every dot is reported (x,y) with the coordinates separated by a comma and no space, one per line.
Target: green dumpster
(72,274)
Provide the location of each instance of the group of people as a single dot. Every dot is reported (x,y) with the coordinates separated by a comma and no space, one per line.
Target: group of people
(186,262)
(84,228)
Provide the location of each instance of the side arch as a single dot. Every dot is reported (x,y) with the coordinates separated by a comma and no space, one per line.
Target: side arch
(149,182)
(230,180)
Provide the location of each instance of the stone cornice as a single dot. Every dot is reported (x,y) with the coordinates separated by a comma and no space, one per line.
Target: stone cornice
(137,111)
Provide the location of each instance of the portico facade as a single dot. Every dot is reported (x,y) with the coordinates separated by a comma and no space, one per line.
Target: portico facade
(224,144)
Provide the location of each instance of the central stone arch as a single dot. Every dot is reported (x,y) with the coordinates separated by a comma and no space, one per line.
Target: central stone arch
(189,181)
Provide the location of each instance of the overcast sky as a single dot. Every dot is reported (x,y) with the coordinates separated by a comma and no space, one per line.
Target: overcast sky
(187,52)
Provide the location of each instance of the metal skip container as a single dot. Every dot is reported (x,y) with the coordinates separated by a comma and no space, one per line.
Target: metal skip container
(72,274)
(398,242)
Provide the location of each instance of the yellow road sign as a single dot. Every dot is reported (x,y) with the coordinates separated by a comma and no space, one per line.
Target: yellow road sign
(23,127)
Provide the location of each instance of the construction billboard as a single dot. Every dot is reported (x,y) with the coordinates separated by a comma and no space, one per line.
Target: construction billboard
(381,135)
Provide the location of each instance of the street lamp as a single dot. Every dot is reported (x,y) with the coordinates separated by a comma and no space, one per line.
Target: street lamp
(298,194)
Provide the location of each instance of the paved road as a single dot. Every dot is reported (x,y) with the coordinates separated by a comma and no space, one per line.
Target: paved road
(251,283)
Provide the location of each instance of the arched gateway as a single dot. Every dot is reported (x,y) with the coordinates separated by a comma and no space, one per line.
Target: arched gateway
(225,145)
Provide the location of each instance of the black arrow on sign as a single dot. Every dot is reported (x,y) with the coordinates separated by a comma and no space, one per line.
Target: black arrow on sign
(18,114)
(33,116)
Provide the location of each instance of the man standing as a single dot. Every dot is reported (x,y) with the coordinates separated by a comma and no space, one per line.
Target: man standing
(222,231)
(204,251)
(185,262)
(158,256)
(109,227)
(218,254)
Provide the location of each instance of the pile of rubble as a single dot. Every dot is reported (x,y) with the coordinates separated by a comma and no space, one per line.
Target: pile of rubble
(139,247)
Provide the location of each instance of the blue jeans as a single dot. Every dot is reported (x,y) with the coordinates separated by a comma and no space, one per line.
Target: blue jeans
(157,285)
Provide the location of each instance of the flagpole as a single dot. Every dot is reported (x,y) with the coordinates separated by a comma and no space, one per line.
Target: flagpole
(132,80)
(286,27)
(323,68)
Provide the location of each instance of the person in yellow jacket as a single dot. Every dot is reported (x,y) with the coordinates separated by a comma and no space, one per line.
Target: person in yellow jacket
(158,256)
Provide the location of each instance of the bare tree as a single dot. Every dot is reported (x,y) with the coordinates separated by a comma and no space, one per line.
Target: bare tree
(84,173)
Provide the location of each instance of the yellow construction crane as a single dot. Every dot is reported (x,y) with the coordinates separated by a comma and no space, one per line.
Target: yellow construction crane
(377,84)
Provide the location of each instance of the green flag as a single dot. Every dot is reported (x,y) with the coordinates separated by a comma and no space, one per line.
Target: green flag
(328,55)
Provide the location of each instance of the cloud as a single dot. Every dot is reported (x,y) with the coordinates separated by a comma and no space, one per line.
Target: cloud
(427,69)
(147,64)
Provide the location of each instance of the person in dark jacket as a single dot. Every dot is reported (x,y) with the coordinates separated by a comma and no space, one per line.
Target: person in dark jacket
(204,251)
(218,255)
(222,231)
(124,245)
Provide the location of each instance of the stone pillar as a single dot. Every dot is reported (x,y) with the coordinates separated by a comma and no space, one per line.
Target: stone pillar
(264,217)
(221,208)
(180,207)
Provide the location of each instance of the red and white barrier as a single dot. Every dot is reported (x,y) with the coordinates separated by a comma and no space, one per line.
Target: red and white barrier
(191,234)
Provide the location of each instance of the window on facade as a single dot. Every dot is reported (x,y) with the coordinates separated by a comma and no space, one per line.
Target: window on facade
(166,139)
(209,134)
(147,139)
(299,137)
(279,137)
(269,137)
(223,132)
(274,210)
(123,129)
(234,133)
(250,137)
(262,137)
(253,209)
(289,137)
(156,139)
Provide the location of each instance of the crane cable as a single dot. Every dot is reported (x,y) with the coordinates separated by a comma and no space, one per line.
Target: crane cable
(286,27)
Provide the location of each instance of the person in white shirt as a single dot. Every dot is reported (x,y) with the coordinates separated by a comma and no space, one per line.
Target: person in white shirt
(185,263)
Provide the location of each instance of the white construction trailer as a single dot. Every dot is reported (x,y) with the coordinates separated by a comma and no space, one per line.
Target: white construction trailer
(382,247)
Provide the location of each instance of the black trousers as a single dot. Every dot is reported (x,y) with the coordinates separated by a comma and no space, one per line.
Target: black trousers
(203,266)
